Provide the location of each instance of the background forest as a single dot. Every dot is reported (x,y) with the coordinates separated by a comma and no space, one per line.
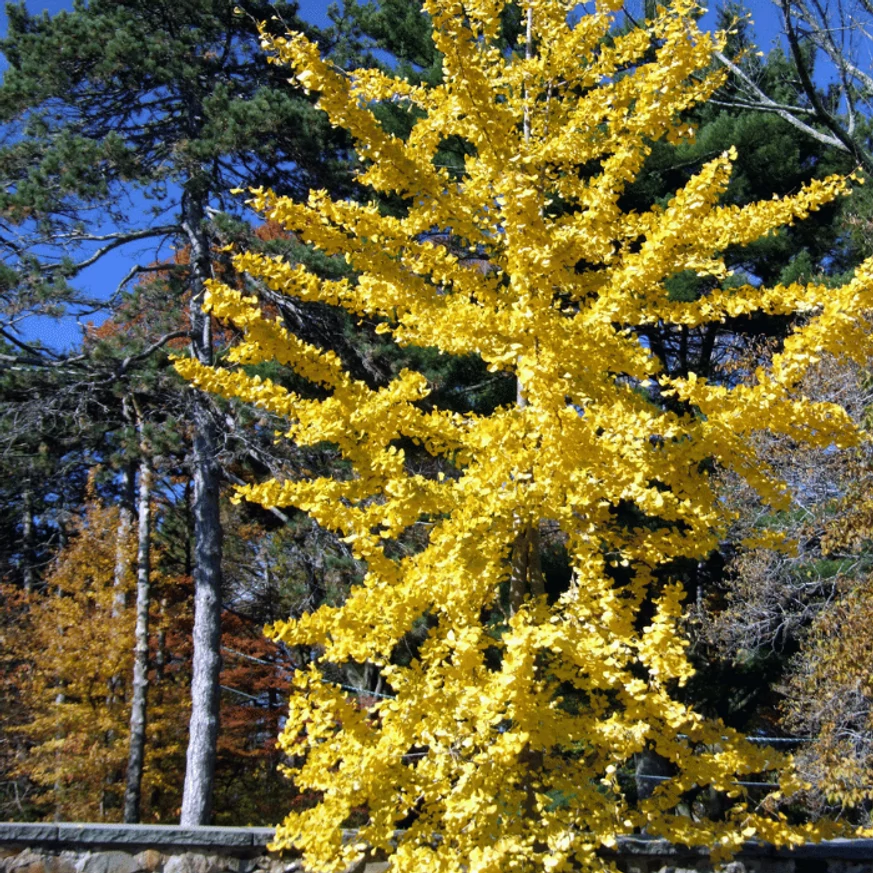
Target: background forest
(135,681)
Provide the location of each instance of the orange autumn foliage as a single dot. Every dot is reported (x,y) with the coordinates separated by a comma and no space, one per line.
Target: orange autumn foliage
(77,636)
(67,661)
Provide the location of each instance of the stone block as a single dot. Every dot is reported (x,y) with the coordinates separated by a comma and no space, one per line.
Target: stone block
(30,834)
(193,862)
(837,850)
(65,862)
(27,861)
(107,862)
(149,860)
(279,866)
(260,836)
(275,864)
(158,836)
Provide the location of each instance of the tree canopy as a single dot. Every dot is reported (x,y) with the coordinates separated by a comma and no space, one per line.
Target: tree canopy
(507,722)
(568,462)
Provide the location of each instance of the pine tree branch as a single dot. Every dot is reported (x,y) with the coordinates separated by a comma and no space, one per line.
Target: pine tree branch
(135,271)
(34,355)
(116,241)
(159,343)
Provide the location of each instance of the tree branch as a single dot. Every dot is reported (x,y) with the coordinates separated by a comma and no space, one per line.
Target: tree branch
(116,241)
(849,144)
(167,337)
(766,104)
(231,477)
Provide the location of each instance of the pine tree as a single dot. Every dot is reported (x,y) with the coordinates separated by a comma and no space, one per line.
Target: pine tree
(506,735)
(165,102)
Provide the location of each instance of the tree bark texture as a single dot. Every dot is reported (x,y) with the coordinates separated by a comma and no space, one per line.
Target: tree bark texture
(28,539)
(122,540)
(138,708)
(205,691)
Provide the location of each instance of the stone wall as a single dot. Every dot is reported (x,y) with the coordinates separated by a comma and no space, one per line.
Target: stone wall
(98,848)
(91,848)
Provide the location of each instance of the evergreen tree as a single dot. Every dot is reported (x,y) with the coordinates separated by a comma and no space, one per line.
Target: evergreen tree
(166,102)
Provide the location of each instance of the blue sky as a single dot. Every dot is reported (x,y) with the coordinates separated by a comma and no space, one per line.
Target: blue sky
(101,279)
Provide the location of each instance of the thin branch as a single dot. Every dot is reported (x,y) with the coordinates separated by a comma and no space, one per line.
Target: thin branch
(765,103)
(135,271)
(822,37)
(239,693)
(118,240)
(132,359)
(37,353)
(850,145)
(274,510)
(773,107)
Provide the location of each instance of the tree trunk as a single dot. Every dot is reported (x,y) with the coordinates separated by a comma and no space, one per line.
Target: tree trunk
(136,746)
(58,788)
(526,577)
(28,539)
(650,770)
(161,647)
(527,574)
(205,691)
(120,601)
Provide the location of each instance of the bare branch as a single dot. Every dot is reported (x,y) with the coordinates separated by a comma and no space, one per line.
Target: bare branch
(136,270)
(823,38)
(116,241)
(849,143)
(30,351)
(764,103)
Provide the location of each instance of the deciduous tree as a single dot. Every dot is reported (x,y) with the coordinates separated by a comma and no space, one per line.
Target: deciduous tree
(791,621)
(501,739)
(78,637)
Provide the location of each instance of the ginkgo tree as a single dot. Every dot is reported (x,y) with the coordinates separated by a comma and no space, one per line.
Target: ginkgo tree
(502,741)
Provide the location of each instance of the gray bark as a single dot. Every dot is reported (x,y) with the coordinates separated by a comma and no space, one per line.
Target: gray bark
(205,691)
(161,647)
(58,788)
(28,539)
(120,602)
(138,708)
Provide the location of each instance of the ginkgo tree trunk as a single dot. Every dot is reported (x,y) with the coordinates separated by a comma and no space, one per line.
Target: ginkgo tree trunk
(502,742)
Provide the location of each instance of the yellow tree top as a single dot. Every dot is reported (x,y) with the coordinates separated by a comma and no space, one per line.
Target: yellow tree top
(505,733)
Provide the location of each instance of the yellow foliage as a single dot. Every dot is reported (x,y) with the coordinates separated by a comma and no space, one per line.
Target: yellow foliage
(828,695)
(78,639)
(501,773)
